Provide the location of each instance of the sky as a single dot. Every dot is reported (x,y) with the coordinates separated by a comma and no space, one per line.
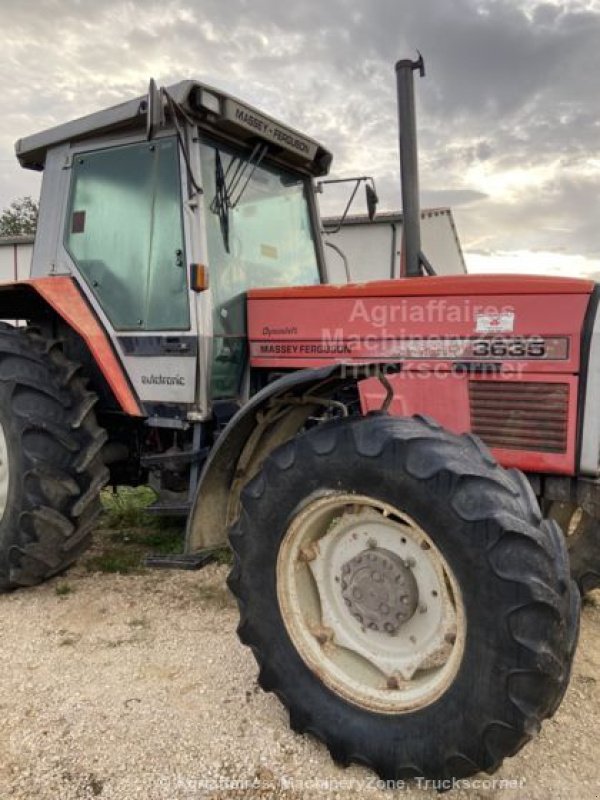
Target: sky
(508,113)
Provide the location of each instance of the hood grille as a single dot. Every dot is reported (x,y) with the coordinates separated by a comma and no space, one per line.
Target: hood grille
(521,415)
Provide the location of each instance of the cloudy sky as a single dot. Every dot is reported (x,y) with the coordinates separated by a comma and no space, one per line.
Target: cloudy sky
(509,112)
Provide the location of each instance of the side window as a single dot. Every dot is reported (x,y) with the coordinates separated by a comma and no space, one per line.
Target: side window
(125,234)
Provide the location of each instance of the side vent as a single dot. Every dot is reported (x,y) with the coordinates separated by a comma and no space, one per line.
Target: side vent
(518,415)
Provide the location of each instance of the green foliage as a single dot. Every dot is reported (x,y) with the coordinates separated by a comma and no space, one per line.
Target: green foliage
(127,533)
(20,218)
(121,560)
(125,508)
(63,589)
(223,555)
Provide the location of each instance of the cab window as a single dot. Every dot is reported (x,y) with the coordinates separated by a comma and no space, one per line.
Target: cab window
(124,232)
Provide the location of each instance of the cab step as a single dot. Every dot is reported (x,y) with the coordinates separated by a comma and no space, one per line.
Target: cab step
(180,560)
(169,509)
(181,457)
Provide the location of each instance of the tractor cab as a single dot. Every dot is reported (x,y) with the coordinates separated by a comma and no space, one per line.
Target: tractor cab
(165,210)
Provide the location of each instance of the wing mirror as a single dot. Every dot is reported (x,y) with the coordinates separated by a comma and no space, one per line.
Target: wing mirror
(372,201)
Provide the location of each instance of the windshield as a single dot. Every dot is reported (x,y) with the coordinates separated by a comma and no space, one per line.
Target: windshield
(258,232)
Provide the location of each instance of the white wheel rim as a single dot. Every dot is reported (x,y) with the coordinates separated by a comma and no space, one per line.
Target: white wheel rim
(3,473)
(370,604)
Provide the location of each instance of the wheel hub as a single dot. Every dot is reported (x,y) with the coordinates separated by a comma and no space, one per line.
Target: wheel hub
(370,602)
(379,590)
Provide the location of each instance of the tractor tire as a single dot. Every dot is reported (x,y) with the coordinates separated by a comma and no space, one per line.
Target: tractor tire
(582,533)
(583,543)
(51,469)
(403,597)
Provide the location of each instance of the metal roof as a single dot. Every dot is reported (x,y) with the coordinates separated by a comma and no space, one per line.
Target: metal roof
(208,107)
(6,240)
(383,216)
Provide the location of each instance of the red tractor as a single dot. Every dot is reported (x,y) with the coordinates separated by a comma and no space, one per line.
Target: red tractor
(375,454)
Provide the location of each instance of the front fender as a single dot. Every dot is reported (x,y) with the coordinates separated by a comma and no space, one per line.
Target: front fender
(272,416)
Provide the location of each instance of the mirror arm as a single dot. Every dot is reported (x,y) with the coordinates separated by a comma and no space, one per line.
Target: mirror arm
(367,179)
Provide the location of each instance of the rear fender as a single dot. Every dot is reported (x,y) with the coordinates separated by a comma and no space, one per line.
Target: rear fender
(35,299)
(271,417)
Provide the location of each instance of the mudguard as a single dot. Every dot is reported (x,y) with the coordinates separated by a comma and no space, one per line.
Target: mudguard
(27,299)
(271,417)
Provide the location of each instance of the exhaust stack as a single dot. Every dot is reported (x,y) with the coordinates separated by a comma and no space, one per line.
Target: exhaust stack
(413,260)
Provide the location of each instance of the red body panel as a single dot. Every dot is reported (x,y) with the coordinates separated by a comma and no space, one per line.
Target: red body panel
(62,295)
(527,329)
(443,285)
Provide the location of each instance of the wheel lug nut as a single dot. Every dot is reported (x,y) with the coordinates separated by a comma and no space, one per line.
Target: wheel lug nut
(323,635)
(357,594)
(308,553)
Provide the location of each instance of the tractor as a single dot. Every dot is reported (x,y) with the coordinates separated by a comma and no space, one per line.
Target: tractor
(381,457)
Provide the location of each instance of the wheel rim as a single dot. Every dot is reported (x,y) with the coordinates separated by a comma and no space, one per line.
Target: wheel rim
(3,472)
(370,603)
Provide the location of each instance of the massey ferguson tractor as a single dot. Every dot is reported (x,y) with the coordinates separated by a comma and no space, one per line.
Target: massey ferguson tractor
(376,454)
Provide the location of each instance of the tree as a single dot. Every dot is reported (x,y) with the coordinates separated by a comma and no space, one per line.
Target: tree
(20,218)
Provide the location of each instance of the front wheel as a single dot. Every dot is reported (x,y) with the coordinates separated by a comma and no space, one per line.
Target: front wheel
(403,597)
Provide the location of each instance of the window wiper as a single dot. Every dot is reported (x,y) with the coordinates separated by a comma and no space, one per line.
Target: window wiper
(231,184)
(243,168)
(220,202)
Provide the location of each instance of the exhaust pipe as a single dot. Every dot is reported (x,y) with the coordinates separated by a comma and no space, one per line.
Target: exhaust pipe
(413,260)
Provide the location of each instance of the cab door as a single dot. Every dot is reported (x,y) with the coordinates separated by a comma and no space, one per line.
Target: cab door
(125,235)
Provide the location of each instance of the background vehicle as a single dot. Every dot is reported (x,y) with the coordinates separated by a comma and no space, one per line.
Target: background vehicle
(399,588)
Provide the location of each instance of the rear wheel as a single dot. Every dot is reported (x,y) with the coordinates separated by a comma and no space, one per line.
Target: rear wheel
(403,597)
(51,470)
(582,533)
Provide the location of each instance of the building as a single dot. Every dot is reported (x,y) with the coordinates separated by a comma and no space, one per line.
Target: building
(15,257)
(372,249)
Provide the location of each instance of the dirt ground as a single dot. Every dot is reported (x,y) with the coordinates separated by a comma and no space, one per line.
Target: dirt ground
(135,686)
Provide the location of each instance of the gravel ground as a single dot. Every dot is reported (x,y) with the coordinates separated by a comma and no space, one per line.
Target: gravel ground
(135,686)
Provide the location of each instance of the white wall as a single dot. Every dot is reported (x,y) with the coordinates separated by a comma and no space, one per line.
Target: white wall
(15,258)
(370,247)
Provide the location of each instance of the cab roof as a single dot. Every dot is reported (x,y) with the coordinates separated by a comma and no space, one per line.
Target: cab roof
(210,108)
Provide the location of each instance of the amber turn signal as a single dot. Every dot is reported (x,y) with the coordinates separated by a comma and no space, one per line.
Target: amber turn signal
(198,277)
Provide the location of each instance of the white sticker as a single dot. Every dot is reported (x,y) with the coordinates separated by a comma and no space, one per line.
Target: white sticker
(495,323)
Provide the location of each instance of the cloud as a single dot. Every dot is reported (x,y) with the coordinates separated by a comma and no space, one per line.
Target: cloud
(508,113)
